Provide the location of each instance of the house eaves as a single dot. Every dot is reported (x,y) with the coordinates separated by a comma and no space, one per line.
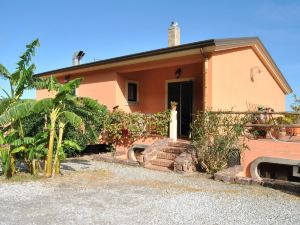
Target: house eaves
(124,59)
(206,47)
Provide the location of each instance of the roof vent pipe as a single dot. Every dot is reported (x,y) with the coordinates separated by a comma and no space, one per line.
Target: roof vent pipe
(77,56)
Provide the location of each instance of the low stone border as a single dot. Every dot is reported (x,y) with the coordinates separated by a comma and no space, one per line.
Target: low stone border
(107,157)
(230,176)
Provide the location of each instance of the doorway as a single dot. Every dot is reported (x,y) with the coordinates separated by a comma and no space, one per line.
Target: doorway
(182,93)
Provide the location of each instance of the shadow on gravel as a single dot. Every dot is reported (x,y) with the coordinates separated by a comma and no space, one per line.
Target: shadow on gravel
(79,161)
(65,167)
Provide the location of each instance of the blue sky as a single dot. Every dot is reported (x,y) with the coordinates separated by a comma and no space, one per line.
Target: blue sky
(105,29)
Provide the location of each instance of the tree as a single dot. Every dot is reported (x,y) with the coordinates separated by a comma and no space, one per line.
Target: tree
(64,109)
(59,109)
(19,81)
(94,124)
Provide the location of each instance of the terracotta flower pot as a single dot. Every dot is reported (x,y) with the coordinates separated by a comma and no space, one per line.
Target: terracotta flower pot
(289,131)
(296,131)
(275,133)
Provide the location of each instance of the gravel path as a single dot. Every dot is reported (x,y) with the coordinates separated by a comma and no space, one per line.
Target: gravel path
(104,193)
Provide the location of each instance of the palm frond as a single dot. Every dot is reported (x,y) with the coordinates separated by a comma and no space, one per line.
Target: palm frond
(18,149)
(71,144)
(72,118)
(70,86)
(24,80)
(43,105)
(25,58)
(17,142)
(28,140)
(49,83)
(15,76)
(82,112)
(2,89)
(90,103)
(93,135)
(2,139)
(17,111)
(4,72)
(4,103)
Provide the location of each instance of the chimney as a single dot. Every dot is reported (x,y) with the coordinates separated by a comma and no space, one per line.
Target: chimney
(77,56)
(173,34)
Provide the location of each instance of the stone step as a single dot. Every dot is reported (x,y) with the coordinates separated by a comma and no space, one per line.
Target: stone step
(163,162)
(179,144)
(174,150)
(166,155)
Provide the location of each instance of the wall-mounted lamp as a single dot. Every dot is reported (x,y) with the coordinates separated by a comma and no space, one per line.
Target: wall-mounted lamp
(254,71)
(178,73)
(66,78)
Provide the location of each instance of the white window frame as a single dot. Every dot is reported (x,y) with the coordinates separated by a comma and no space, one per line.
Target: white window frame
(137,90)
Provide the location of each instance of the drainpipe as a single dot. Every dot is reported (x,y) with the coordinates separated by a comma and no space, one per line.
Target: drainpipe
(205,80)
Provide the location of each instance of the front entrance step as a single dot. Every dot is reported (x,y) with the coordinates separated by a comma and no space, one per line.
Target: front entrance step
(166,155)
(179,143)
(163,163)
(163,156)
(174,150)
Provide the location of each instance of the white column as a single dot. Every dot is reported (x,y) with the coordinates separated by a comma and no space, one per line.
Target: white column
(173,125)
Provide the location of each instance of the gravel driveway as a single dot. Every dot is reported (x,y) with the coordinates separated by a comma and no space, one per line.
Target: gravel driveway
(92,192)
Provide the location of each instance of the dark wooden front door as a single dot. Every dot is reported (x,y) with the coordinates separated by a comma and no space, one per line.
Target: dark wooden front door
(182,93)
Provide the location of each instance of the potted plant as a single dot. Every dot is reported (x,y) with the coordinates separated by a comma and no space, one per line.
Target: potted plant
(286,120)
(296,118)
(173,105)
(261,118)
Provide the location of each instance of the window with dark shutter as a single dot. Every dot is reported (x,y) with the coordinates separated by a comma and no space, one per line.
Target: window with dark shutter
(132,92)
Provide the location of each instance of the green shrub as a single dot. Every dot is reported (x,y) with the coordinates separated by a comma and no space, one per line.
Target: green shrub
(94,123)
(33,124)
(296,108)
(124,128)
(93,120)
(217,139)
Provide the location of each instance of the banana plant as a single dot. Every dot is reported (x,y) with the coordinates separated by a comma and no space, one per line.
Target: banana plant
(19,81)
(61,144)
(56,107)
(35,150)
(59,109)
(9,146)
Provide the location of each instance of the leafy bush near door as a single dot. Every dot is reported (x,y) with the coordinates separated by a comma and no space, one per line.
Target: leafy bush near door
(217,138)
(124,128)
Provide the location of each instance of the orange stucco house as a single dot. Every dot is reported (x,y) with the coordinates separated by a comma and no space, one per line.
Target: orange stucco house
(236,73)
